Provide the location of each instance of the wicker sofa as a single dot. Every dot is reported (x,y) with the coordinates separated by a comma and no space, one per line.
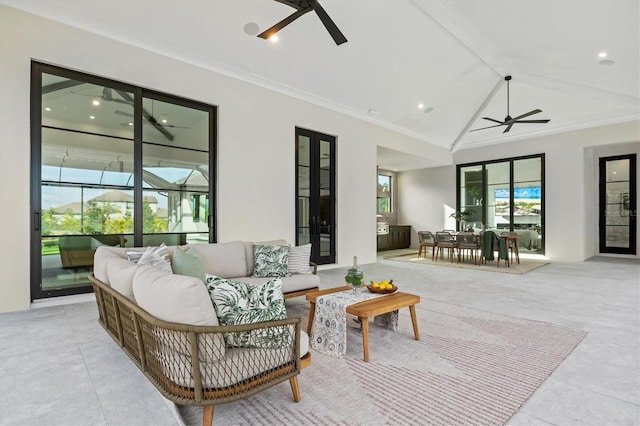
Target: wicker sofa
(183,352)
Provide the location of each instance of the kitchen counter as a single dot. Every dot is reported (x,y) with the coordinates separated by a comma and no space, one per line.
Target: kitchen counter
(399,237)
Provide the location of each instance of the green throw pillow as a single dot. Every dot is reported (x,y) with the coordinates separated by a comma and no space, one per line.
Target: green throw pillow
(188,263)
(270,261)
(241,303)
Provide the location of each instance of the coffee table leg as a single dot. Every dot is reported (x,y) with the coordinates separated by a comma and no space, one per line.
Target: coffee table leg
(312,314)
(365,337)
(414,320)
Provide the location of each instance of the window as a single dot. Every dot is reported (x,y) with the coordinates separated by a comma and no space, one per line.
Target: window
(505,195)
(384,194)
(113,165)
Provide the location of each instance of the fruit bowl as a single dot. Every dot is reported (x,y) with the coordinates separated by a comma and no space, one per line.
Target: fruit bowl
(380,291)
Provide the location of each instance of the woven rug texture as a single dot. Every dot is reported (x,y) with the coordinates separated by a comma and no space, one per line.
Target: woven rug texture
(469,368)
(523,267)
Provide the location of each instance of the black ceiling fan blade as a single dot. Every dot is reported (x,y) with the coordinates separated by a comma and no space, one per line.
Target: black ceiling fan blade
(286,21)
(490,127)
(535,111)
(328,23)
(493,119)
(532,121)
(508,128)
(126,114)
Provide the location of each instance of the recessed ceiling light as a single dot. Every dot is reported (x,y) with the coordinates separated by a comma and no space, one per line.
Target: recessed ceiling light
(602,55)
(96,102)
(93,117)
(273,38)
(130,124)
(251,28)
(420,106)
(164,120)
(47,109)
(606,62)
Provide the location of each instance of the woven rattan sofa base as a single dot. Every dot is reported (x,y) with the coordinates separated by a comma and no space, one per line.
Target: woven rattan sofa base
(183,364)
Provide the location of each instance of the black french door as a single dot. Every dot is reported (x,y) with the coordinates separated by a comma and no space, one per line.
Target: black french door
(315,194)
(618,204)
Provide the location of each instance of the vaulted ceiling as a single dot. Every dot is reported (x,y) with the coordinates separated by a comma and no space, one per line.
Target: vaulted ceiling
(448,56)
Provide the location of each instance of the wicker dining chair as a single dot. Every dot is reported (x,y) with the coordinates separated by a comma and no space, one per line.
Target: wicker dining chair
(445,240)
(468,243)
(426,239)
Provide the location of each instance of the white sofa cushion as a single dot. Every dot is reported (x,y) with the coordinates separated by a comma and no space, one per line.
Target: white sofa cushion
(226,260)
(173,298)
(120,273)
(103,254)
(234,367)
(177,298)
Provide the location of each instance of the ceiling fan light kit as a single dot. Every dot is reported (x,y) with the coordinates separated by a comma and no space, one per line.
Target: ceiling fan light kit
(510,121)
(303,7)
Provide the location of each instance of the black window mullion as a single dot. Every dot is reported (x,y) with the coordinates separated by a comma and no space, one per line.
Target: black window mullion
(137,168)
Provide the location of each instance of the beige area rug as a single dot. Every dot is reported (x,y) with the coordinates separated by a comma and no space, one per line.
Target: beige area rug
(469,368)
(523,267)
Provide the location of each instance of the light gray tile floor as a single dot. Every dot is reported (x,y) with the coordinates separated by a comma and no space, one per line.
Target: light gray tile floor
(59,367)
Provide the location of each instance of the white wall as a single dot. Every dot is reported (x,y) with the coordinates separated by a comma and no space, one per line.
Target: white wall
(255,143)
(426,198)
(571,181)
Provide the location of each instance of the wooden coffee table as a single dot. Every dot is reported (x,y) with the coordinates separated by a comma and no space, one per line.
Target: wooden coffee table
(369,308)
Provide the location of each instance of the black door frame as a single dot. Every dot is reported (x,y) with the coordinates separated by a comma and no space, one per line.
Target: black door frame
(314,194)
(35,256)
(603,209)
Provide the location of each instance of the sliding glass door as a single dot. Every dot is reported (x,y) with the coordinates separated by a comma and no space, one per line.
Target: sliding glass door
(114,165)
(505,195)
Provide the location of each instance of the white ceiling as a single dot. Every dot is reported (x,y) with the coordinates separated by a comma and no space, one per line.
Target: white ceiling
(450,55)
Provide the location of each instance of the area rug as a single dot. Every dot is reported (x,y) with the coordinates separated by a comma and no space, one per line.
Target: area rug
(469,368)
(524,266)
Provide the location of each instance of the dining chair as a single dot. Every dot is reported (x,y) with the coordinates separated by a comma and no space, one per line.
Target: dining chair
(426,239)
(445,240)
(468,243)
(492,243)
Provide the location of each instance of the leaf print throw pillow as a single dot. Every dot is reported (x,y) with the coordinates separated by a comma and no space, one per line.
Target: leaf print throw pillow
(240,303)
(270,261)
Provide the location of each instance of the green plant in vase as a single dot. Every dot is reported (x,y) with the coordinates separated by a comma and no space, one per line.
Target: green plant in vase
(462,217)
(354,276)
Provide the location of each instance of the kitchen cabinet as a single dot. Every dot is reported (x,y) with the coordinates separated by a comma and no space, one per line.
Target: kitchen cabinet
(399,237)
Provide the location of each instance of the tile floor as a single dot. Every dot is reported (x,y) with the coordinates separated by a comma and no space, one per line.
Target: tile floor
(59,367)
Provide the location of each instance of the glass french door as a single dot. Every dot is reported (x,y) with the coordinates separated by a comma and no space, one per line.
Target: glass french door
(618,214)
(112,165)
(315,194)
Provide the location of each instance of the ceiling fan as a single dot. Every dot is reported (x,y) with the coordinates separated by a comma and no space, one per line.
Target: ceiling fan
(302,7)
(107,95)
(510,121)
(150,120)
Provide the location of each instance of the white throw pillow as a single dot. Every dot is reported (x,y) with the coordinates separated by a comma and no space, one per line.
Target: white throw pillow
(158,257)
(299,258)
(120,273)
